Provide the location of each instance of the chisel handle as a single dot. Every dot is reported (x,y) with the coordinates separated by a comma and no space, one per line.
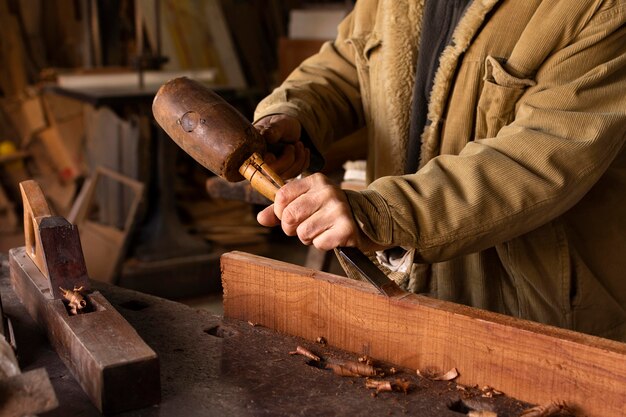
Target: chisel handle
(262,178)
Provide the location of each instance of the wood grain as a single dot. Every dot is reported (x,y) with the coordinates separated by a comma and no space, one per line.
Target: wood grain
(526,360)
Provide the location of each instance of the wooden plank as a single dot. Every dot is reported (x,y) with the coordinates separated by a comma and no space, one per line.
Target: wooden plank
(194,35)
(13,78)
(26,116)
(63,139)
(105,244)
(67,168)
(223,44)
(527,360)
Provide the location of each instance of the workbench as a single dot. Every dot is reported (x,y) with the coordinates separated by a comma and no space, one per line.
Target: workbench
(227,367)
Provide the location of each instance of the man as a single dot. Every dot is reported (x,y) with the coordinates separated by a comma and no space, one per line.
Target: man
(499,174)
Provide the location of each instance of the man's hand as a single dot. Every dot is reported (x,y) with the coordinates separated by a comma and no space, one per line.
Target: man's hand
(284,132)
(317,212)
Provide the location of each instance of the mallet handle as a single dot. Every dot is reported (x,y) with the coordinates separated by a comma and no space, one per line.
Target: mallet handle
(262,178)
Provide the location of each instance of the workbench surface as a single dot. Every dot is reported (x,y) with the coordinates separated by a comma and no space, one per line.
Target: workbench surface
(214,366)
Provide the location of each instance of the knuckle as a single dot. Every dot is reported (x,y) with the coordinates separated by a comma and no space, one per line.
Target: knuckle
(290,217)
(282,197)
(317,178)
(305,233)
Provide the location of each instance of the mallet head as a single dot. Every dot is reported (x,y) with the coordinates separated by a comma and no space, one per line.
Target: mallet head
(205,126)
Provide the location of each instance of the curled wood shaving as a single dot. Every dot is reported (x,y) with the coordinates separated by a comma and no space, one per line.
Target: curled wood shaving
(341,370)
(403,385)
(321,340)
(558,408)
(380,386)
(305,352)
(351,368)
(490,392)
(399,385)
(76,301)
(366,359)
(448,376)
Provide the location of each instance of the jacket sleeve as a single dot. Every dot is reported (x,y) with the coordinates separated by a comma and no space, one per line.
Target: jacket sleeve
(323,93)
(567,130)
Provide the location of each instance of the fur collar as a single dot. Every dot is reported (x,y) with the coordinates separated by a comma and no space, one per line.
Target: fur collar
(462,38)
(398,31)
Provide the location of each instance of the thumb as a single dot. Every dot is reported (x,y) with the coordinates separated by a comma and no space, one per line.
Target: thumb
(267,217)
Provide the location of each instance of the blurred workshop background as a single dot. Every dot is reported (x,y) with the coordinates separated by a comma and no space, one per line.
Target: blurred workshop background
(77,78)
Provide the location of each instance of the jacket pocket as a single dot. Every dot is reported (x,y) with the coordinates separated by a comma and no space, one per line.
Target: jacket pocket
(500,93)
(539,264)
(365,48)
(371,45)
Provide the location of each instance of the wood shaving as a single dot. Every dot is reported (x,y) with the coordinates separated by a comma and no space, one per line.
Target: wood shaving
(398,385)
(403,385)
(76,301)
(559,408)
(448,376)
(489,392)
(305,352)
(380,386)
(321,340)
(341,370)
(366,359)
(351,368)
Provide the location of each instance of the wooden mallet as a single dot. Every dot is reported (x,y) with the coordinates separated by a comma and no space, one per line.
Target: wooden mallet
(221,139)
(214,133)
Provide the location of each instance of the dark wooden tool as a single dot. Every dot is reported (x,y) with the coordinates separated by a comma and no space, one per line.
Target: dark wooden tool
(221,139)
(105,354)
(214,133)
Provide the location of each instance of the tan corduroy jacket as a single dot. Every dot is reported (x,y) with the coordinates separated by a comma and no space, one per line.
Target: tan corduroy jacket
(519,205)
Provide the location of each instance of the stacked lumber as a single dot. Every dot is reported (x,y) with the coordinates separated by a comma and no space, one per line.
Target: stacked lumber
(228,223)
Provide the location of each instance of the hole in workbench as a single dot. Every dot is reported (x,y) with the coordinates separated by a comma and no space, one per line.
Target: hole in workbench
(220,331)
(316,364)
(459,407)
(134,305)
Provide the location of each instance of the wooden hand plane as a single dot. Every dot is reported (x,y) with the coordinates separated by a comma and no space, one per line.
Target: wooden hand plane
(114,366)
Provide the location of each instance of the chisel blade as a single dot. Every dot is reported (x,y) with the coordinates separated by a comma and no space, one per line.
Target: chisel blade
(370,272)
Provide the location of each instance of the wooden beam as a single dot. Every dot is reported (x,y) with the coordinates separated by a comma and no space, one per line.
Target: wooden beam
(529,361)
